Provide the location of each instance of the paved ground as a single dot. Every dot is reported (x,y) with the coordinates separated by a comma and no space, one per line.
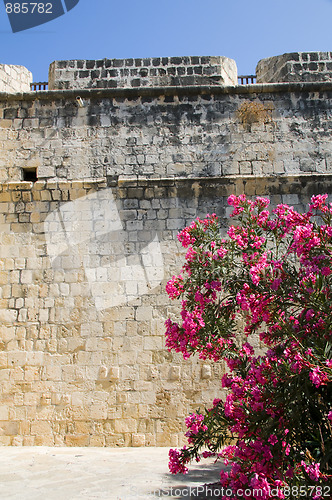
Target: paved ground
(42,473)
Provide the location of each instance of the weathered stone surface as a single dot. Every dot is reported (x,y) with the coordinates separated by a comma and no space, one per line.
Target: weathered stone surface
(200,135)
(14,78)
(157,72)
(296,67)
(76,375)
(82,302)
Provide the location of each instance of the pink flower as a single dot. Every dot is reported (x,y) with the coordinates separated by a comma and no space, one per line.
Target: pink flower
(177,461)
(276,284)
(194,425)
(273,439)
(318,377)
(309,314)
(185,237)
(261,488)
(271,274)
(174,287)
(318,201)
(312,470)
(262,202)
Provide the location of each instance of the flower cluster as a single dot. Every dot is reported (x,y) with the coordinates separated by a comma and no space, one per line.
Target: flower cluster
(274,270)
(195,424)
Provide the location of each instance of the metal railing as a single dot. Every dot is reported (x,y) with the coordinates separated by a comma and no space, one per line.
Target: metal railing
(35,86)
(242,79)
(246,79)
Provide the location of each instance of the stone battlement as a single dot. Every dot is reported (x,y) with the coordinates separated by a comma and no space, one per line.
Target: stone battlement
(149,72)
(166,72)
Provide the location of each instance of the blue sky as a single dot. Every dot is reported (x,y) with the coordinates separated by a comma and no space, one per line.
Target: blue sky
(244,30)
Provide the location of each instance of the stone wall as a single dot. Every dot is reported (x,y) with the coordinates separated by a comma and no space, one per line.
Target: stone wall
(87,249)
(296,67)
(75,372)
(258,130)
(14,78)
(157,72)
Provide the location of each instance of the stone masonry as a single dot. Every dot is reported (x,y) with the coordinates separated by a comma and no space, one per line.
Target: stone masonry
(155,72)
(87,249)
(14,78)
(296,67)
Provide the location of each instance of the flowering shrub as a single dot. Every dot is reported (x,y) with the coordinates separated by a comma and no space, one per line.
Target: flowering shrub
(273,270)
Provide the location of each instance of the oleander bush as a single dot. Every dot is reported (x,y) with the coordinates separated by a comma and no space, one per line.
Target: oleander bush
(272,274)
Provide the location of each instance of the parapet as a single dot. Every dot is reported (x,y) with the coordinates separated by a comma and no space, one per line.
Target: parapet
(163,72)
(295,67)
(150,72)
(14,79)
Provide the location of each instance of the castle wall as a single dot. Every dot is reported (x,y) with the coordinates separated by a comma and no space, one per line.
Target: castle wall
(77,372)
(257,130)
(74,372)
(87,249)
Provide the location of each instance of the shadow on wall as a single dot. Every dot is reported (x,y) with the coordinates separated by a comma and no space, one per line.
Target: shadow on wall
(120,264)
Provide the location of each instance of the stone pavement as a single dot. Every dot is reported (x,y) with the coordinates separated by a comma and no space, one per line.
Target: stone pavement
(43,473)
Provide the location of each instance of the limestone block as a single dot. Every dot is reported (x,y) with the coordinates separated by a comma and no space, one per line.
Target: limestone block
(153,343)
(206,372)
(115,440)
(138,440)
(98,441)
(17,441)
(114,373)
(121,397)
(175,373)
(4,413)
(31,373)
(5,375)
(125,425)
(56,399)
(45,399)
(5,440)
(9,428)
(8,316)
(103,372)
(29,441)
(77,440)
